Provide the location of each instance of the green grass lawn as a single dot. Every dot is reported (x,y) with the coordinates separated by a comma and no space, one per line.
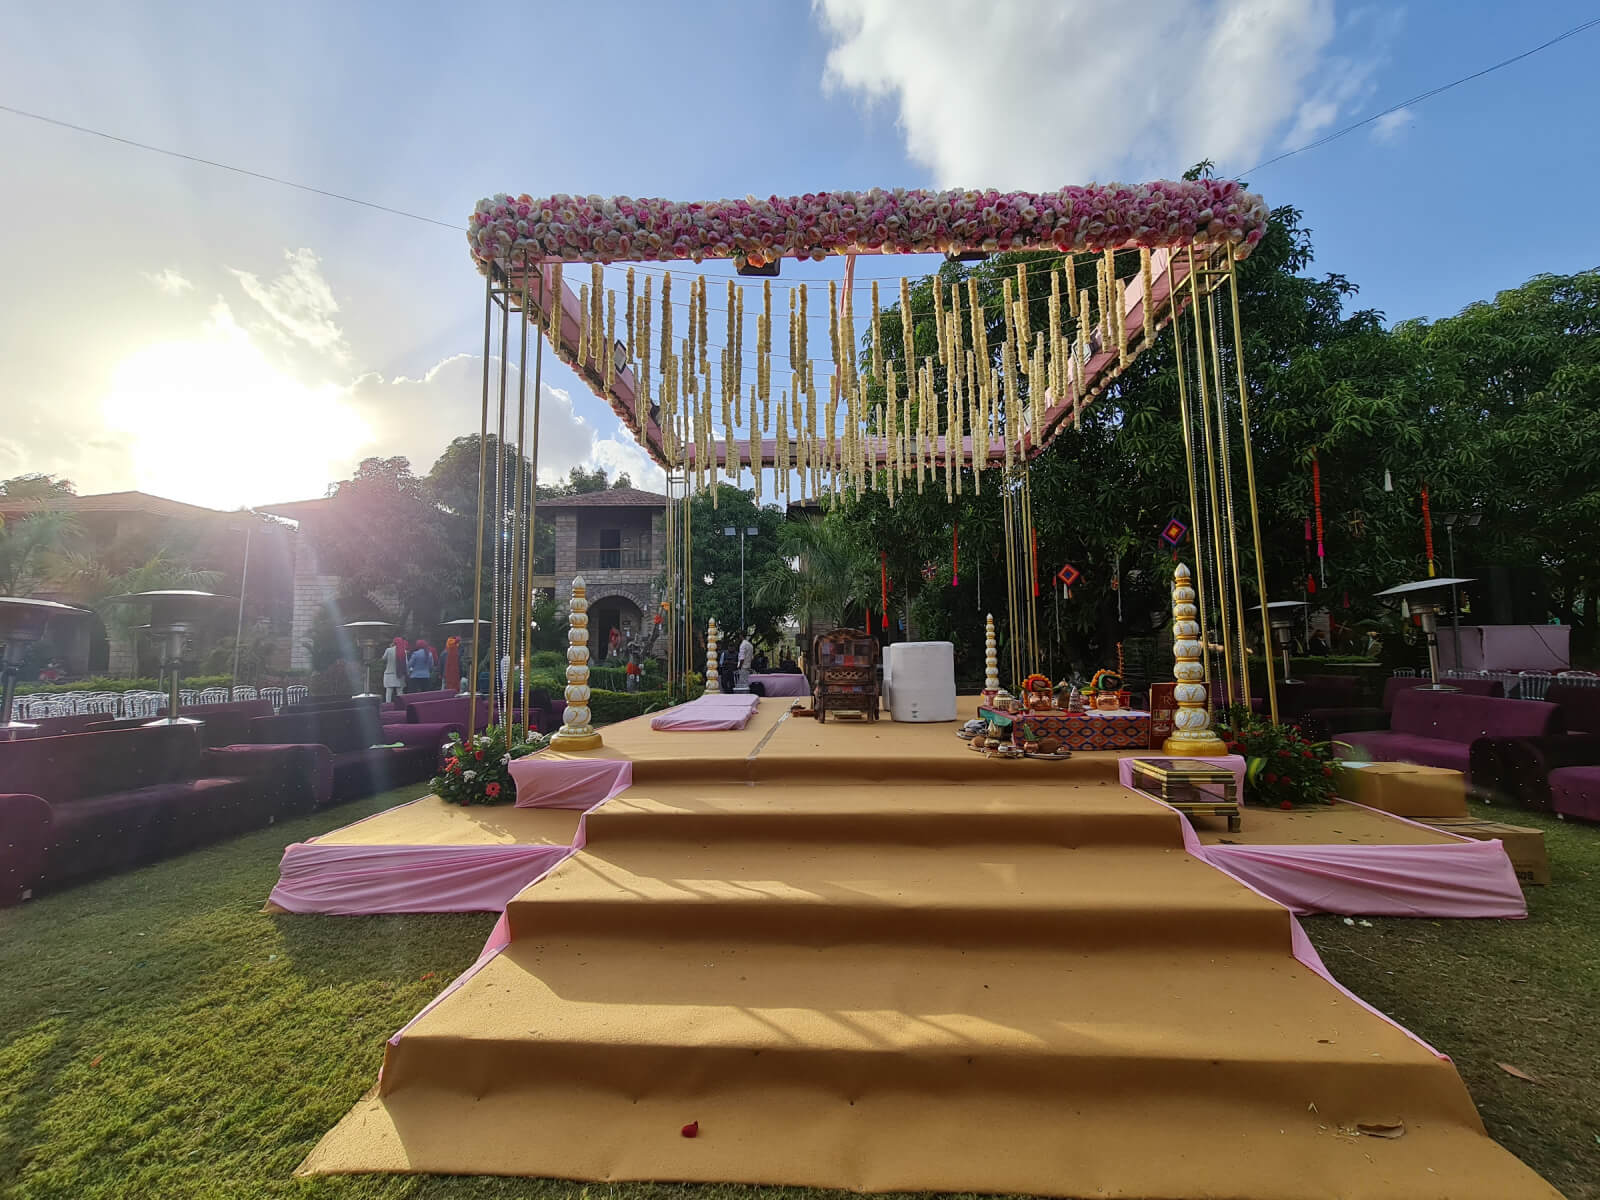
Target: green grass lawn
(160,1036)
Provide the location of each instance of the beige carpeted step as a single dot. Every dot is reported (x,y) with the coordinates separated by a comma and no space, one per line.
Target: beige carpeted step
(819,893)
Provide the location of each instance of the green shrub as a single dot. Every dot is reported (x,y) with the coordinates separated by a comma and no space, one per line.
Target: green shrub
(548,660)
(606,707)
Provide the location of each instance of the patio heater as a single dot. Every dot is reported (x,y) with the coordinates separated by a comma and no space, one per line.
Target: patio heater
(175,615)
(1466,520)
(1422,598)
(1281,614)
(22,622)
(464,627)
(369,636)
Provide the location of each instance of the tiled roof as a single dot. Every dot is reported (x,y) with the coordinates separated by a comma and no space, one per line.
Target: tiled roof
(113,502)
(610,498)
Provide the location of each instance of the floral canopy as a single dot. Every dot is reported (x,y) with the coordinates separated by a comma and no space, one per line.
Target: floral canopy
(976,402)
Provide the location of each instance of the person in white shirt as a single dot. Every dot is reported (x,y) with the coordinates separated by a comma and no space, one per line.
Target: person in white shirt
(393,672)
(747,652)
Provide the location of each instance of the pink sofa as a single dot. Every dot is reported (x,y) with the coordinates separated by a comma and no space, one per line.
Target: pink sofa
(1438,729)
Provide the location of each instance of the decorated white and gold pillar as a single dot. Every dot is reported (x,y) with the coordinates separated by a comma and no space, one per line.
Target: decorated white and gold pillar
(991,661)
(713,675)
(576,732)
(1191,723)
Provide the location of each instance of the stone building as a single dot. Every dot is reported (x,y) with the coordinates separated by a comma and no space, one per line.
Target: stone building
(616,539)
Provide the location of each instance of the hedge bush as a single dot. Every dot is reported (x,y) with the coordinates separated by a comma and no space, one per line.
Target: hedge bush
(606,707)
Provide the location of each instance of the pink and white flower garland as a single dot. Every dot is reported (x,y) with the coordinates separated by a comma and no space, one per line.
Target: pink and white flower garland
(899,221)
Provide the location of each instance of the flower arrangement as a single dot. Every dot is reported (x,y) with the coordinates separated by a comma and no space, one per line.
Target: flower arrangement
(900,221)
(479,772)
(1282,768)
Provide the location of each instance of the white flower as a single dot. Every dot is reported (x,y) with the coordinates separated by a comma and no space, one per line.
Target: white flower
(469,775)
(504,761)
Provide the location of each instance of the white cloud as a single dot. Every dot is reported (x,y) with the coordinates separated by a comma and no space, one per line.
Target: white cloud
(169,281)
(1390,126)
(1044,93)
(300,303)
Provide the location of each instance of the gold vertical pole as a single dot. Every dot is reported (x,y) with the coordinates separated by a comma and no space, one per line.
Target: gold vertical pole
(483,450)
(1250,480)
(1033,572)
(1007,511)
(533,498)
(497,632)
(1211,475)
(519,622)
(669,621)
(1194,501)
(1232,529)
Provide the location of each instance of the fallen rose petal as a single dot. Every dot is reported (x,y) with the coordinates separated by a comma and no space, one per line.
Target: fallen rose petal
(692,1129)
(1510,1070)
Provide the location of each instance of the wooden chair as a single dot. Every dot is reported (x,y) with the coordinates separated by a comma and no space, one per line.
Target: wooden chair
(845,673)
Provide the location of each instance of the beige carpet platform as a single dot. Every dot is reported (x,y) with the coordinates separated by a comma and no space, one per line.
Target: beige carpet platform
(863,957)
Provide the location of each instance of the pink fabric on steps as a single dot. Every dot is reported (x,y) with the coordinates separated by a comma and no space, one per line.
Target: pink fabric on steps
(713,711)
(1462,878)
(319,877)
(582,783)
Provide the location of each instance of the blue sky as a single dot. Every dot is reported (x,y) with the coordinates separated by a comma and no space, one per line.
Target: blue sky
(224,340)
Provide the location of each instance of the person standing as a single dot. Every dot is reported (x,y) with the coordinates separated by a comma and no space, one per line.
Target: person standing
(419,669)
(394,670)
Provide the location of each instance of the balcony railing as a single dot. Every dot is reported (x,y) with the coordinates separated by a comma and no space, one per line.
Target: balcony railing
(614,560)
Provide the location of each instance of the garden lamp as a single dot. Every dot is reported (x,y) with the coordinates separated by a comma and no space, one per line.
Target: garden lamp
(1422,598)
(22,622)
(369,636)
(1281,613)
(175,616)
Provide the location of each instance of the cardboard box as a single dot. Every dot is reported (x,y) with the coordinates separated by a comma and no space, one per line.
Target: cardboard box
(1406,789)
(1524,846)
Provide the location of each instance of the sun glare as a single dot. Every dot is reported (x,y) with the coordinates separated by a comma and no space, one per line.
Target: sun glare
(214,421)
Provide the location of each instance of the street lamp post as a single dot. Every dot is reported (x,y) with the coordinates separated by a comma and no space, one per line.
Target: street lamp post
(730,531)
(1450,520)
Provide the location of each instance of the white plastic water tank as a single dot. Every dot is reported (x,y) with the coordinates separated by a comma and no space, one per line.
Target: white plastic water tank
(923,678)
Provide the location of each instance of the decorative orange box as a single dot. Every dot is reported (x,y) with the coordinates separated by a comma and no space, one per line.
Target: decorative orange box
(1162,706)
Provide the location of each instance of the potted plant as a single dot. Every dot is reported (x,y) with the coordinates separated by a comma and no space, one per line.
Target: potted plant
(1283,769)
(479,771)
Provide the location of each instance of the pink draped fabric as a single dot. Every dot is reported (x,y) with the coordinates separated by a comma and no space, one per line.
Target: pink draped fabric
(323,877)
(1461,878)
(783,684)
(713,711)
(569,782)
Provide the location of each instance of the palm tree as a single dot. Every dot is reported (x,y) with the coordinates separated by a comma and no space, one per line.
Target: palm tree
(825,576)
(28,545)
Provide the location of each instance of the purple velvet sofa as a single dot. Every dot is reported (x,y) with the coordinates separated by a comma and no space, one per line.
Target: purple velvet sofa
(1438,729)
(1557,774)
(363,758)
(457,710)
(84,804)
(394,712)
(225,724)
(1334,721)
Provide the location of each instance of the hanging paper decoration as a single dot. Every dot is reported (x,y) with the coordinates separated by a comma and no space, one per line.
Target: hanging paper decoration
(1174,533)
(1316,502)
(955,556)
(1066,577)
(1311,584)
(1388,481)
(1427,531)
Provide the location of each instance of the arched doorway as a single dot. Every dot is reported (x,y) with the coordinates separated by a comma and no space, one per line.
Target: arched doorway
(608,612)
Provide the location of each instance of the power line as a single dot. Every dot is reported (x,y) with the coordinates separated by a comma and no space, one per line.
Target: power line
(210,162)
(1421,96)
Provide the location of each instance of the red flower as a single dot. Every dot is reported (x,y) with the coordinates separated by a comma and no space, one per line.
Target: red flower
(1287,804)
(455,767)
(1284,754)
(478,754)
(1234,747)
(1328,771)
(1269,777)
(491,790)
(1306,754)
